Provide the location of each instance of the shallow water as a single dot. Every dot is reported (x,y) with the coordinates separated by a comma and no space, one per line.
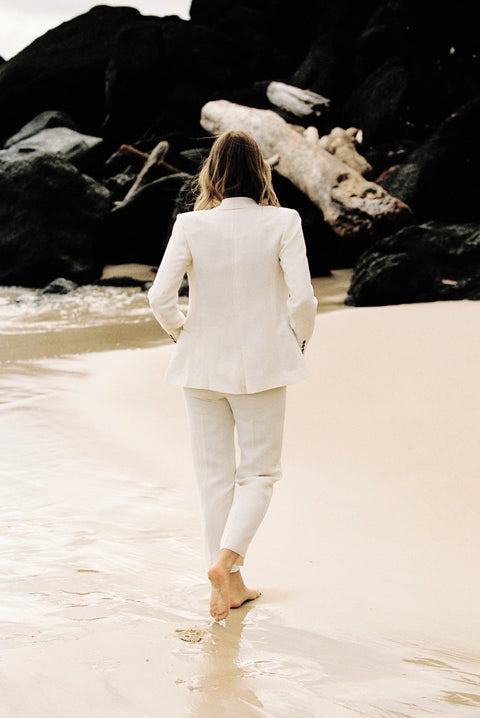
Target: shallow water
(90,318)
(29,311)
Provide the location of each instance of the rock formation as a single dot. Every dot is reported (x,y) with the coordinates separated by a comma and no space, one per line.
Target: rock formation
(43,121)
(63,70)
(404,77)
(423,263)
(51,221)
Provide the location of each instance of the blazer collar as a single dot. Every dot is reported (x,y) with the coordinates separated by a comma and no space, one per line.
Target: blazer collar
(236,203)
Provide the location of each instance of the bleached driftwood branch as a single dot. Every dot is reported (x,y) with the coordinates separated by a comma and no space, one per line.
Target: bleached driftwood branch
(153,160)
(350,204)
(343,145)
(301,103)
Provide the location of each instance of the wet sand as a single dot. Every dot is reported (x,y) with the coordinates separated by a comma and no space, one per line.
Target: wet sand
(367,559)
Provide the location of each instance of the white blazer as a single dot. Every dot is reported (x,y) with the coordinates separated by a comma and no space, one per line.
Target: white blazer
(251,307)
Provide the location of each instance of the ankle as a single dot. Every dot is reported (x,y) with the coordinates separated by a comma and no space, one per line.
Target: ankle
(226,559)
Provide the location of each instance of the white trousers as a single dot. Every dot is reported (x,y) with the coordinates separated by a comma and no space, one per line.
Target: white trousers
(234,499)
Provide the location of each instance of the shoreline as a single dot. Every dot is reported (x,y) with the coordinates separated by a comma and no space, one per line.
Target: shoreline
(31,346)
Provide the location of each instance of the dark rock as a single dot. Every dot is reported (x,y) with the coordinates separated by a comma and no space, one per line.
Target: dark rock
(441,57)
(60,286)
(186,197)
(50,221)
(424,263)
(432,57)
(65,69)
(138,79)
(440,178)
(43,121)
(138,229)
(383,157)
(395,68)
(326,66)
(63,142)
(285,33)
(124,281)
(386,33)
(194,159)
(375,104)
(119,184)
(250,52)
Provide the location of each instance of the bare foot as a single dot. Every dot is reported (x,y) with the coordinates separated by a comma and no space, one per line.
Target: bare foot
(239,593)
(220,596)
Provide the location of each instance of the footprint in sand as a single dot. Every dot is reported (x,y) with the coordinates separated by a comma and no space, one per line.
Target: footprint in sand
(190,635)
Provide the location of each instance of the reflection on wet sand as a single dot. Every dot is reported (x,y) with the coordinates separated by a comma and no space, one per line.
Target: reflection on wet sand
(255,667)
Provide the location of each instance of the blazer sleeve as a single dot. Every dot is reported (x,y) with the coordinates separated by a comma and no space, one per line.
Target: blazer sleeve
(163,294)
(301,303)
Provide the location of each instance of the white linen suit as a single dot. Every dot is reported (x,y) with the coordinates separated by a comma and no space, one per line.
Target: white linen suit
(251,313)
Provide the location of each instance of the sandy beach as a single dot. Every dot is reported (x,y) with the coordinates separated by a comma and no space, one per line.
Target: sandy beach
(367,559)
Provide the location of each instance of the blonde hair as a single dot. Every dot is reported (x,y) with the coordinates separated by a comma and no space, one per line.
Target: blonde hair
(235,168)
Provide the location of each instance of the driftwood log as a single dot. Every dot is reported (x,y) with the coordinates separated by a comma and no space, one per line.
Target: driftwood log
(302,103)
(342,144)
(350,204)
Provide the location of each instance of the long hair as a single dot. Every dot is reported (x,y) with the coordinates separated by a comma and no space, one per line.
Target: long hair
(235,168)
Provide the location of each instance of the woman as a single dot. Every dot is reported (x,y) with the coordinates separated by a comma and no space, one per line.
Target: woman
(251,313)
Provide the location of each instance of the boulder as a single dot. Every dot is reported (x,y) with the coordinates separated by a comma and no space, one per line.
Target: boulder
(62,142)
(195,75)
(119,185)
(327,65)
(411,67)
(51,217)
(393,68)
(374,105)
(387,156)
(65,69)
(273,30)
(251,51)
(49,118)
(137,80)
(440,178)
(137,230)
(424,263)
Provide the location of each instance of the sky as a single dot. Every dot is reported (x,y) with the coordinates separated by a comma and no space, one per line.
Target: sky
(22,21)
